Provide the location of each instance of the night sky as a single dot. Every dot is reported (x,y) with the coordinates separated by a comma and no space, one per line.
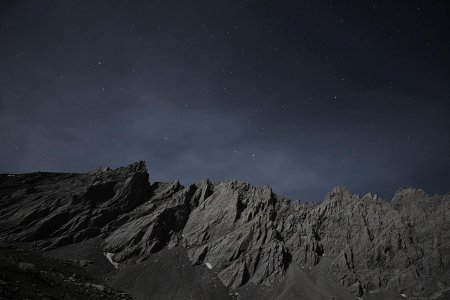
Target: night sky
(299,95)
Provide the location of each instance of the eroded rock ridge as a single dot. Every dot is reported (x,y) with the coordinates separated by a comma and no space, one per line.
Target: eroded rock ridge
(248,234)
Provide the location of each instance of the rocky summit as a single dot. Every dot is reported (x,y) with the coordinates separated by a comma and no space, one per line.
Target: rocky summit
(113,234)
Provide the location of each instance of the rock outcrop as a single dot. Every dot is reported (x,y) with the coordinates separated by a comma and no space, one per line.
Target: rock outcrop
(247,234)
(60,209)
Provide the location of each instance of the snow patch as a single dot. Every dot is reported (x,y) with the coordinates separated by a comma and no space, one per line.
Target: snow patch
(10,175)
(109,256)
(208,265)
(403,295)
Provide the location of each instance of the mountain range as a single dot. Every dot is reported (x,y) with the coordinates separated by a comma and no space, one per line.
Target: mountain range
(111,234)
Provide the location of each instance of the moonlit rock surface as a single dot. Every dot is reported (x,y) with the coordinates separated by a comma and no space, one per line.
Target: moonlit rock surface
(208,265)
(250,235)
(109,256)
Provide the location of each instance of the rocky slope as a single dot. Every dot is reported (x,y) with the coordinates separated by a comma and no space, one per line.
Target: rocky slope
(247,235)
(26,274)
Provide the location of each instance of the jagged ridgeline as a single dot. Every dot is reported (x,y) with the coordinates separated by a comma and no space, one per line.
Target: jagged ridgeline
(248,235)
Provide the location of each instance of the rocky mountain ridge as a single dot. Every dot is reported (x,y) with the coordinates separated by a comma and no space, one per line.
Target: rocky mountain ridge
(247,234)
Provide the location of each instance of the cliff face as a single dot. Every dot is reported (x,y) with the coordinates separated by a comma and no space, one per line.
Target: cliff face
(248,234)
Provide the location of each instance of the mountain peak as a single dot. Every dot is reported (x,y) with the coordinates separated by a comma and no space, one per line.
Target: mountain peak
(139,166)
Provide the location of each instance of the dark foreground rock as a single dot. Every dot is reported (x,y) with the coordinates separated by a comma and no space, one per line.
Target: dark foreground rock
(30,275)
(247,236)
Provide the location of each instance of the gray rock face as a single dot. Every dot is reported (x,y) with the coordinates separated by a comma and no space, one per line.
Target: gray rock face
(233,230)
(247,234)
(67,208)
